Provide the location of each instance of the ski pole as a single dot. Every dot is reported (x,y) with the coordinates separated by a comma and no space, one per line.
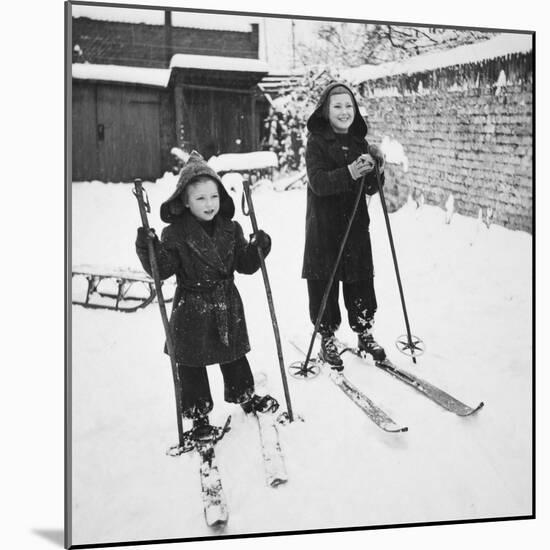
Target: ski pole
(303,371)
(410,344)
(252,214)
(144,207)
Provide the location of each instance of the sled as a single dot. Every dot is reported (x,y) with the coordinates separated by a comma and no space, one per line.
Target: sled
(124,290)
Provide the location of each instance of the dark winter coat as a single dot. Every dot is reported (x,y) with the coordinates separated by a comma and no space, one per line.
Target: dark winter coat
(331,196)
(207,321)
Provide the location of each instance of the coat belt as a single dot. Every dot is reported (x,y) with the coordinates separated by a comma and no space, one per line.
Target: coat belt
(218,291)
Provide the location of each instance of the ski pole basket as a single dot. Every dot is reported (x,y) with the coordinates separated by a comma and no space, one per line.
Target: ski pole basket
(410,345)
(299,371)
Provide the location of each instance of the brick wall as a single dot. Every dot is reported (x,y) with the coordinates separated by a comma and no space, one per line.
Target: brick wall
(141,45)
(474,143)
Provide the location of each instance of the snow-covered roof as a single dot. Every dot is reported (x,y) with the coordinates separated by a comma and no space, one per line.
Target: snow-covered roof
(218,63)
(118,73)
(502,45)
(156,17)
(244,161)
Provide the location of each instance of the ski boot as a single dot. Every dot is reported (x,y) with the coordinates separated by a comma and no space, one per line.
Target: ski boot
(329,352)
(202,429)
(367,344)
(261,404)
(204,432)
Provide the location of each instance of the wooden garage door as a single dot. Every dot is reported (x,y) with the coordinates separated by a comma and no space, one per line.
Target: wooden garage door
(116,133)
(216,122)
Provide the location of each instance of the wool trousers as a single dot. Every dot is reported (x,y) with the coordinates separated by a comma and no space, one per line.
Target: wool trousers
(359,299)
(195,388)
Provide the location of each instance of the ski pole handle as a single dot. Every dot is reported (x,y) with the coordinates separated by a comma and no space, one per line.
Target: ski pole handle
(143,202)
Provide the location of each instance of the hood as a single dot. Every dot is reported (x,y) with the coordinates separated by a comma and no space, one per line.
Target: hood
(318,123)
(172,208)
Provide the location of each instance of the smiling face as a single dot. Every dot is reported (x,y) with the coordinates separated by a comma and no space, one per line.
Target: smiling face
(202,197)
(341,112)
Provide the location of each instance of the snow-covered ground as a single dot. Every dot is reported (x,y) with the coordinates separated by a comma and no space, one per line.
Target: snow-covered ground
(469,295)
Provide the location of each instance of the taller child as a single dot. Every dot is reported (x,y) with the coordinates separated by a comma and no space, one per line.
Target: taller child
(337,157)
(203,247)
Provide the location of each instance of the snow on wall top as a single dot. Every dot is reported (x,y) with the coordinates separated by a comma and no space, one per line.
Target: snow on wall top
(118,73)
(502,45)
(156,17)
(218,63)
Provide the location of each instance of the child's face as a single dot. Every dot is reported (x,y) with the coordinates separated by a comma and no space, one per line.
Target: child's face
(341,112)
(203,199)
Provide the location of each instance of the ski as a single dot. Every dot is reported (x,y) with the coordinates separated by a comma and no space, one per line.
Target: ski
(213,498)
(272,454)
(432,392)
(373,411)
(262,408)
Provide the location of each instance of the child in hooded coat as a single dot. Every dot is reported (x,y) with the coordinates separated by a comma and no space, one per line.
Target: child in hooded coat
(203,247)
(337,157)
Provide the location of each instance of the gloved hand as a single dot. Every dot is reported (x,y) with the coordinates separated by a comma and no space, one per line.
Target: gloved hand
(143,236)
(360,166)
(377,154)
(261,240)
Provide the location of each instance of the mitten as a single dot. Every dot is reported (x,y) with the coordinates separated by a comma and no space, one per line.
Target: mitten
(143,236)
(261,240)
(376,153)
(360,166)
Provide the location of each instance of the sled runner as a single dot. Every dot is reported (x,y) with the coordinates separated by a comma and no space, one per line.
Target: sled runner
(117,289)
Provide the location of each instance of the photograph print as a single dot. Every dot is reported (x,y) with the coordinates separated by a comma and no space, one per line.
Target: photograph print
(300,265)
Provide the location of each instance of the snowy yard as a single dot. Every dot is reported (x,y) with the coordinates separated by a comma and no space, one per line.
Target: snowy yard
(469,297)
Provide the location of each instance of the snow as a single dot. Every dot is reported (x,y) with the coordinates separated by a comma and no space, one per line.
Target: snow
(244,161)
(500,46)
(161,77)
(156,17)
(469,297)
(394,152)
(119,73)
(218,63)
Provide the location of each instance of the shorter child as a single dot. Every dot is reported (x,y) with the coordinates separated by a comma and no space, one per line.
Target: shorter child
(203,247)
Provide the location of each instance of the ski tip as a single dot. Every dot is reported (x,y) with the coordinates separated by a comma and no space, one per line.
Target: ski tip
(395,429)
(216,515)
(471,411)
(217,524)
(278,481)
(479,407)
